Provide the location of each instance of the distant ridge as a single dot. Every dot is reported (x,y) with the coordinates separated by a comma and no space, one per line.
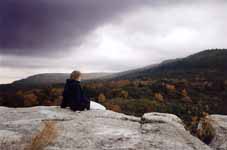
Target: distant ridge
(209,62)
(55,78)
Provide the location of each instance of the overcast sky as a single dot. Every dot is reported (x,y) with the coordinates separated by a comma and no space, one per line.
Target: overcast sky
(40,36)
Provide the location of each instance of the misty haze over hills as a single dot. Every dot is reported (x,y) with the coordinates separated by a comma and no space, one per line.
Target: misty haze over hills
(212,62)
(55,78)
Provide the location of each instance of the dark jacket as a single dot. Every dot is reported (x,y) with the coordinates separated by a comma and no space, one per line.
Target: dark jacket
(73,96)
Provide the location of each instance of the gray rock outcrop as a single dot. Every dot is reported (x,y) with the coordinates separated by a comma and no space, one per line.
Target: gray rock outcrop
(96,130)
(219,124)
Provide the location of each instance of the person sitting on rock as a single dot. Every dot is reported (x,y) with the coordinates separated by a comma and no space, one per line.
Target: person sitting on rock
(73,95)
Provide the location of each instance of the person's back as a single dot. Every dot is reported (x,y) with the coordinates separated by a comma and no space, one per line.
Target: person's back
(73,95)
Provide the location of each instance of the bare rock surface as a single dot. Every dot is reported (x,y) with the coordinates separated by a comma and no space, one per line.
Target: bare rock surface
(219,124)
(96,130)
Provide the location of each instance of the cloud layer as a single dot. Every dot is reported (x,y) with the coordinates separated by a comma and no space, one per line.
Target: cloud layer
(103,35)
(30,27)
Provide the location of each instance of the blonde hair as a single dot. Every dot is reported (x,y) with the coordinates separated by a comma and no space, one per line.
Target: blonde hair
(75,75)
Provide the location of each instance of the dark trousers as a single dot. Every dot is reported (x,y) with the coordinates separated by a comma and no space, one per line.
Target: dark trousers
(81,107)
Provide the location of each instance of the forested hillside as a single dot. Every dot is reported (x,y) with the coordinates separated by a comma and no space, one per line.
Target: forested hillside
(209,63)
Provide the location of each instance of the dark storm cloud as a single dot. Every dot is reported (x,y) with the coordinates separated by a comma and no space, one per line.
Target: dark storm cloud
(31,27)
(104,35)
